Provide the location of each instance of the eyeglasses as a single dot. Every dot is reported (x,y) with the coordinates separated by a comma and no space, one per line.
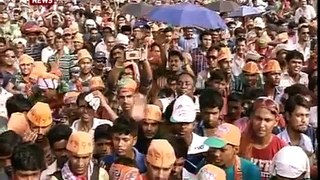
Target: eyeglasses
(266,102)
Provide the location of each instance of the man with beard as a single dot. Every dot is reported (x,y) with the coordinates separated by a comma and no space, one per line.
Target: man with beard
(58,137)
(40,122)
(294,74)
(272,73)
(149,127)
(297,110)
(211,103)
(94,40)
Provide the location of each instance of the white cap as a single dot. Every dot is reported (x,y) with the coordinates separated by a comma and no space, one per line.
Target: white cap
(20,40)
(253,55)
(290,162)
(279,47)
(122,39)
(258,22)
(184,110)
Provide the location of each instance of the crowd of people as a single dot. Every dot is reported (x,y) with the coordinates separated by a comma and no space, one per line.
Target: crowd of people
(90,93)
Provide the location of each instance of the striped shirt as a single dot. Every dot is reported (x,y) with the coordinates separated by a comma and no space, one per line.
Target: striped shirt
(199,60)
(66,63)
(35,50)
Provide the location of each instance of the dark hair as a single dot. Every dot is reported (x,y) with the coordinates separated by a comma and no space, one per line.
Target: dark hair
(103,131)
(8,49)
(294,55)
(57,37)
(313,82)
(241,39)
(253,93)
(239,30)
(297,89)
(18,103)
(294,101)
(154,45)
(117,46)
(219,75)
(204,33)
(167,29)
(214,47)
(124,125)
(126,161)
(175,53)
(210,98)
(57,133)
(179,145)
(11,137)
(81,97)
(28,157)
(235,97)
(3,40)
(188,74)
(5,148)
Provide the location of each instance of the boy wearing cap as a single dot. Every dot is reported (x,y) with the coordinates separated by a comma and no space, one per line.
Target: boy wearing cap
(124,137)
(85,64)
(80,165)
(272,73)
(223,149)
(182,122)
(20,83)
(149,127)
(159,160)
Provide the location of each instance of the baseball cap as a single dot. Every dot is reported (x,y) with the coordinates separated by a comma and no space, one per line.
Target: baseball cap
(80,143)
(184,110)
(229,133)
(214,142)
(290,162)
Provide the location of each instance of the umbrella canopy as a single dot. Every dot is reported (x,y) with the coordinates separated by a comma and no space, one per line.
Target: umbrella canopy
(246,11)
(187,15)
(137,9)
(223,6)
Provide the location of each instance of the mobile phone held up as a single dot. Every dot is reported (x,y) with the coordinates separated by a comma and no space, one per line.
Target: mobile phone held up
(133,55)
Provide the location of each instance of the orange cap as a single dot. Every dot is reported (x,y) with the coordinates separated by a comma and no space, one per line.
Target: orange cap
(83,53)
(160,154)
(229,133)
(120,171)
(74,28)
(80,143)
(211,172)
(78,38)
(283,37)
(96,83)
(38,68)
(272,66)
(224,53)
(70,97)
(153,112)
(40,115)
(127,84)
(18,123)
(25,59)
(251,68)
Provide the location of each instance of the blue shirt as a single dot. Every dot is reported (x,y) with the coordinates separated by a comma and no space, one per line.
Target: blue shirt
(139,158)
(249,171)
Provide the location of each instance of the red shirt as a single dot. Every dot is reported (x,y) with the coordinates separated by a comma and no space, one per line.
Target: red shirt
(263,157)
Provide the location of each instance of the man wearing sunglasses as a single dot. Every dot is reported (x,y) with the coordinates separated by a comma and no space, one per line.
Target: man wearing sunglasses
(100,64)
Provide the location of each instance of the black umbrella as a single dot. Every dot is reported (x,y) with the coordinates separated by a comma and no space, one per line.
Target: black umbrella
(137,9)
(223,6)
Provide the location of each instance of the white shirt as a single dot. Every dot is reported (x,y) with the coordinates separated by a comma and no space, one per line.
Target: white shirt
(305,51)
(308,13)
(287,80)
(203,76)
(314,116)
(197,145)
(237,65)
(305,141)
(96,122)
(47,52)
(4,96)
(46,174)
